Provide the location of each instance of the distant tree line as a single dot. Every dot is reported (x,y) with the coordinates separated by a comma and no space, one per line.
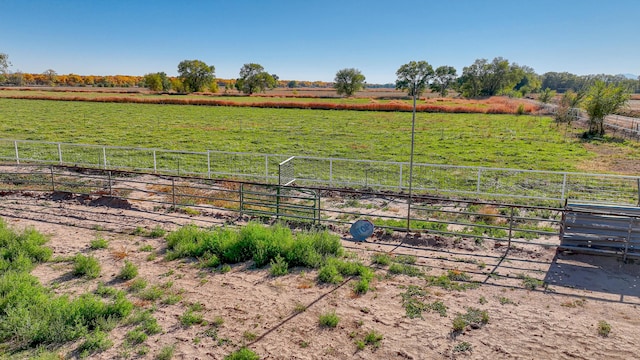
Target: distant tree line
(482,78)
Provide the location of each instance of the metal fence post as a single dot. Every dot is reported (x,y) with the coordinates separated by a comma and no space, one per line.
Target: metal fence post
(209,164)
(510,231)
(53,182)
(330,172)
(60,153)
(104,156)
(266,168)
(400,180)
(15,146)
(564,186)
(155,168)
(241,199)
(478,182)
(110,188)
(173,192)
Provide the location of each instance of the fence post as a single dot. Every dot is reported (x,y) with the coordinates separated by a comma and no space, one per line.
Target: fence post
(15,146)
(400,180)
(155,169)
(266,169)
(638,192)
(241,199)
(510,231)
(564,186)
(209,164)
(104,156)
(330,172)
(53,182)
(278,202)
(110,189)
(478,182)
(173,192)
(60,153)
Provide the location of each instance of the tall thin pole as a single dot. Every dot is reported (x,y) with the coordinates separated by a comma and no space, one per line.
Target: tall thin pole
(413,133)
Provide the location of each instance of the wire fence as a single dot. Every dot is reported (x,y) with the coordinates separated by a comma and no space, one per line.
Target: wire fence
(466,220)
(466,181)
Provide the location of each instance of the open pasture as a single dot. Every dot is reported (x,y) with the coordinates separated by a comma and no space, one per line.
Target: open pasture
(527,142)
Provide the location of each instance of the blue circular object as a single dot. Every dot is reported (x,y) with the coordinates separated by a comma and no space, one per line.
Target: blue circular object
(361,230)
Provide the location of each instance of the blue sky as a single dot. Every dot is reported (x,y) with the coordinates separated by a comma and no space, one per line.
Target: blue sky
(313,39)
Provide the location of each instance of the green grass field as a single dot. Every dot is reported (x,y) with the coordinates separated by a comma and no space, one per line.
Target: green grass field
(526,142)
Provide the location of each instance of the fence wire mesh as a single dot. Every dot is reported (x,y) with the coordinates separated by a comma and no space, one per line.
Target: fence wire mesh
(481,182)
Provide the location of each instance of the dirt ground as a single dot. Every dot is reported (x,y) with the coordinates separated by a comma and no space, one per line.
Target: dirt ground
(277,317)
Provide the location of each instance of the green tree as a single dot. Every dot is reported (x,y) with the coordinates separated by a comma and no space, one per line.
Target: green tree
(195,75)
(348,81)
(472,78)
(568,110)
(546,95)
(157,81)
(4,66)
(527,79)
(603,99)
(414,77)
(253,79)
(444,78)
(292,84)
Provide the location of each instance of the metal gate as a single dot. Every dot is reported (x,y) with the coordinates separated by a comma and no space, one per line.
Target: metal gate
(279,201)
(602,229)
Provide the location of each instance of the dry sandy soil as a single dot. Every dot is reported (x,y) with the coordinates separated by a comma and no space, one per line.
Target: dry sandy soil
(556,321)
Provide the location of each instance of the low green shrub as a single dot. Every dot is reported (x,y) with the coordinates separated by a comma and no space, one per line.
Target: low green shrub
(329,319)
(129,271)
(98,243)
(86,266)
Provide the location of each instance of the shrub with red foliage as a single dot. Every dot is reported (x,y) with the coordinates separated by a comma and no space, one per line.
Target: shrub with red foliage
(494,105)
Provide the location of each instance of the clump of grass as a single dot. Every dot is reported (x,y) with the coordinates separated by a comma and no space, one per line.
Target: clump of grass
(249,336)
(373,338)
(96,341)
(475,318)
(529,282)
(145,322)
(382,259)
(86,266)
(411,301)
(299,307)
(405,259)
(129,271)
(190,318)
(242,354)
(137,285)
(405,269)
(505,300)
(452,280)
(462,347)
(604,328)
(329,319)
(98,243)
(135,337)
(172,299)
(166,353)
(151,294)
(107,291)
(146,248)
(209,261)
(279,266)
(157,232)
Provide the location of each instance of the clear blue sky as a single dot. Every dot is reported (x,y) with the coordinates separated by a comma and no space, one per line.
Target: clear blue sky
(313,39)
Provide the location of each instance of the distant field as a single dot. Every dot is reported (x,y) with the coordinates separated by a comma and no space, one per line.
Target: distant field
(319,99)
(526,142)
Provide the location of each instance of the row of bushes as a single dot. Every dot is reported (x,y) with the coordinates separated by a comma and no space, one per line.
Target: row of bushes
(502,108)
(276,246)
